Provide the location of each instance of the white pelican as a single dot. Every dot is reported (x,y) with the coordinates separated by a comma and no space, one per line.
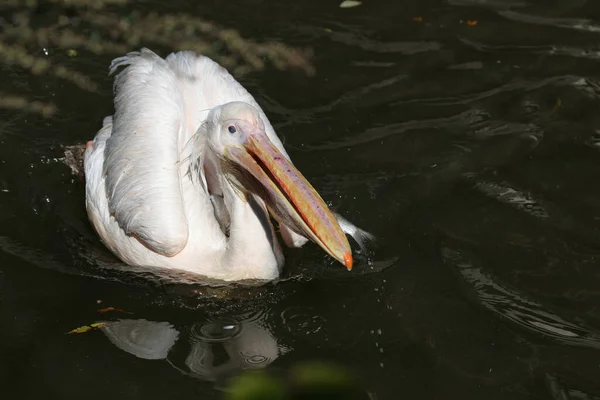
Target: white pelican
(186,172)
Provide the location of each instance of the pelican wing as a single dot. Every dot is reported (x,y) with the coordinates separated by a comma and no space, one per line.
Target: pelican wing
(159,103)
(142,155)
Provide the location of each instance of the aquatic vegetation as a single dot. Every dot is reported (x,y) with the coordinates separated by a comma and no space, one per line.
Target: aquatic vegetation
(304,380)
(88,28)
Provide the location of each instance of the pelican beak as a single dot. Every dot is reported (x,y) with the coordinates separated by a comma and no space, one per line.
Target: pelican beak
(288,195)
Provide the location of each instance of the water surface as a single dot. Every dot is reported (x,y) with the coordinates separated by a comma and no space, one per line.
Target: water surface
(463,133)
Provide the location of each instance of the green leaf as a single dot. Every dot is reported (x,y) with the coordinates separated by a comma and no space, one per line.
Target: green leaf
(321,374)
(256,385)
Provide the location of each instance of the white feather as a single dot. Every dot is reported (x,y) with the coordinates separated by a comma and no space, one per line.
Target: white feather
(141,198)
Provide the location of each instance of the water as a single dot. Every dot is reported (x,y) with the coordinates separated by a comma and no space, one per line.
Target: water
(463,133)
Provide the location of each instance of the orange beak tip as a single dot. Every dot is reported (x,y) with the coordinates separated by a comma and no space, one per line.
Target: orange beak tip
(348,261)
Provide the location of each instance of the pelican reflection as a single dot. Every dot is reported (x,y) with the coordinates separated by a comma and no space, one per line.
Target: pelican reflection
(209,350)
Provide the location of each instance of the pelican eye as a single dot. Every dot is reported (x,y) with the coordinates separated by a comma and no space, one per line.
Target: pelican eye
(232,129)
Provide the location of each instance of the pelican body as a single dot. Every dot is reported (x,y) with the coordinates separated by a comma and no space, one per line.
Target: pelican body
(188,172)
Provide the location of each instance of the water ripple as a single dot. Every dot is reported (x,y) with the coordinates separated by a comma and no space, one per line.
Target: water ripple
(294,117)
(515,307)
(383,132)
(403,48)
(591,54)
(476,121)
(359,40)
(579,24)
(508,195)
(512,86)
(494,4)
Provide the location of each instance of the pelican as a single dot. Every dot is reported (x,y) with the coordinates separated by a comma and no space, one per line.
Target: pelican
(188,173)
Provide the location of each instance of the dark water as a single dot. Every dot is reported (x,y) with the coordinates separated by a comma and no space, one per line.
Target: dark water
(470,151)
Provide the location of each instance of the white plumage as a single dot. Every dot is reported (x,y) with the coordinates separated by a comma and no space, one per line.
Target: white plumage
(160,187)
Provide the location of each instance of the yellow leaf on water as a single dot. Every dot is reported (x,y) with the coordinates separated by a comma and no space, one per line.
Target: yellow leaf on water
(87,328)
(81,329)
(472,22)
(417,19)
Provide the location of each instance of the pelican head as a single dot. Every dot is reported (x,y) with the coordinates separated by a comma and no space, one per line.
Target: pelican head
(253,164)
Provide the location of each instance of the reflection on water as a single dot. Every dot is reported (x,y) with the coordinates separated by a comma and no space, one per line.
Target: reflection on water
(144,339)
(209,350)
